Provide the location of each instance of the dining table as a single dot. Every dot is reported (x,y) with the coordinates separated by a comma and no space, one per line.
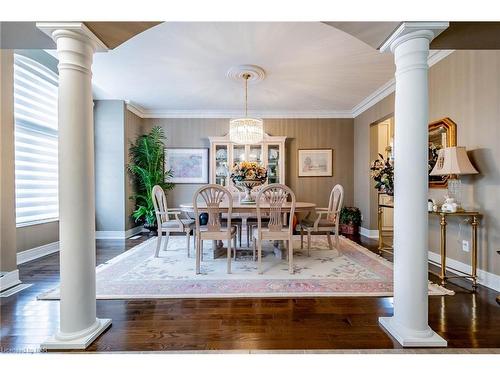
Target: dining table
(245,210)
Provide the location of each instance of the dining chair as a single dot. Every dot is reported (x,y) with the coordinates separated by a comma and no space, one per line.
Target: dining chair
(251,220)
(212,196)
(165,223)
(326,221)
(235,220)
(273,198)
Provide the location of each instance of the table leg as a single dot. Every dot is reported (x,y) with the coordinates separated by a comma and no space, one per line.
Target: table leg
(474,225)
(278,245)
(443,250)
(380,238)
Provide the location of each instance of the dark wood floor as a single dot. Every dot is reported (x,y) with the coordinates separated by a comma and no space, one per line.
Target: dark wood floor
(466,319)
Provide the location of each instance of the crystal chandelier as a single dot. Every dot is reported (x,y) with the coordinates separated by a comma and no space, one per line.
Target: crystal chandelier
(246,130)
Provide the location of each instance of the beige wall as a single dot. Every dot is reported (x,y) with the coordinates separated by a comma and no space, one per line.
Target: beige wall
(465,86)
(364,192)
(301,133)
(36,235)
(7,192)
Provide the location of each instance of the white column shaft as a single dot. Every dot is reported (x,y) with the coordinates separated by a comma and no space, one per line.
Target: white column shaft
(411,186)
(76,183)
(409,325)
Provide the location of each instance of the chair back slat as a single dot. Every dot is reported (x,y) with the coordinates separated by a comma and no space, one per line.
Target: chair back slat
(160,204)
(213,196)
(276,196)
(335,203)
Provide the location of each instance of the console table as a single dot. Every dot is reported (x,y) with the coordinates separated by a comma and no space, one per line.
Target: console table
(473,219)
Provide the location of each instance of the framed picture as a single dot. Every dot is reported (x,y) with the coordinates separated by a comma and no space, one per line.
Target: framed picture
(442,133)
(315,162)
(188,165)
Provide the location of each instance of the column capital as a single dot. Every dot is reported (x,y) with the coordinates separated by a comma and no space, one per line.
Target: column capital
(410,30)
(77,30)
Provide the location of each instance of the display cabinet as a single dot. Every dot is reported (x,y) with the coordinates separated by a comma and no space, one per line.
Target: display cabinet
(224,153)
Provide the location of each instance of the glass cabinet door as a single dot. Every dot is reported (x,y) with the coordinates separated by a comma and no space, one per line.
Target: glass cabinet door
(255,153)
(221,165)
(238,153)
(273,164)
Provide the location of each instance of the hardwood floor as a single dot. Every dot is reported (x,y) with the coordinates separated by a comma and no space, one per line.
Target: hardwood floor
(466,320)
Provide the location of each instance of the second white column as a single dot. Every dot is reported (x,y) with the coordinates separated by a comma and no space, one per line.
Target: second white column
(409,325)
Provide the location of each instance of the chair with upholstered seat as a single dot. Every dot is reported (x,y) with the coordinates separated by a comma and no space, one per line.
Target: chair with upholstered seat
(210,198)
(274,197)
(165,223)
(326,221)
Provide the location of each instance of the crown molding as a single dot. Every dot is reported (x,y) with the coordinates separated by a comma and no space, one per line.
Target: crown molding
(376,96)
(437,55)
(145,113)
(383,91)
(135,109)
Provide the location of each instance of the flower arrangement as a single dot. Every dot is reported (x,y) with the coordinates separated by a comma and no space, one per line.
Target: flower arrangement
(248,171)
(382,172)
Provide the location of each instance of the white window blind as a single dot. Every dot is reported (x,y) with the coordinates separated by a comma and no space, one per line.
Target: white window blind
(35,113)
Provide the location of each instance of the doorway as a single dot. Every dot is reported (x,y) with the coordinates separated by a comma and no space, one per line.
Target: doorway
(382,143)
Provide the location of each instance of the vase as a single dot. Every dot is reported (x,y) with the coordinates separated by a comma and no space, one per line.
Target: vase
(247,186)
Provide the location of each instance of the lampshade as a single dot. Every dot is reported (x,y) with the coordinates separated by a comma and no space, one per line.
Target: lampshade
(453,160)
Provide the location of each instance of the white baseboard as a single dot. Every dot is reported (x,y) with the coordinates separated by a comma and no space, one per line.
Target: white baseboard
(117,234)
(370,233)
(9,279)
(37,252)
(485,278)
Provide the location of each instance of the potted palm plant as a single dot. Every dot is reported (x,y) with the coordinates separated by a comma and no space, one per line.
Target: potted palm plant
(147,167)
(350,220)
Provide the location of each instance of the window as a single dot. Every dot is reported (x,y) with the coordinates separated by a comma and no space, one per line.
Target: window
(35,113)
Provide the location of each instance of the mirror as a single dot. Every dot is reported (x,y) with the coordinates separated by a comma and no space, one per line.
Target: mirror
(442,133)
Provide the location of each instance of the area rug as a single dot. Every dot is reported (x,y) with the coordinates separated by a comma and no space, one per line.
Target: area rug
(350,270)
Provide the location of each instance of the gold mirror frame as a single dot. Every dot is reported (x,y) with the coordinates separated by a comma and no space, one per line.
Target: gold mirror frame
(450,127)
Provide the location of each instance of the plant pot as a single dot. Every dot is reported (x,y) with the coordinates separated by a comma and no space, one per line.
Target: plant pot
(349,228)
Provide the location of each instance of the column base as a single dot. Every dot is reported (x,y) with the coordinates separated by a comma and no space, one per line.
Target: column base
(409,338)
(80,341)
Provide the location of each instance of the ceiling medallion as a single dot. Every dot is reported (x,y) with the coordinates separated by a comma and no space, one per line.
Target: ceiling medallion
(255,73)
(246,130)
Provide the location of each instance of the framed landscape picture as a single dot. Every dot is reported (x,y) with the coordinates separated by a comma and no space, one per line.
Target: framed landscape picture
(188,165)
(315,162)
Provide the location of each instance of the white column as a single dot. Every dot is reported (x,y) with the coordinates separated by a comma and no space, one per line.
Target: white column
(78,323)
(409,325)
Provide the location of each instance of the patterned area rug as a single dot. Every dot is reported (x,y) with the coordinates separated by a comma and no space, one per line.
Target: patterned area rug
(350,270)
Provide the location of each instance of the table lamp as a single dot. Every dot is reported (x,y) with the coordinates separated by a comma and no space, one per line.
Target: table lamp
(453,162)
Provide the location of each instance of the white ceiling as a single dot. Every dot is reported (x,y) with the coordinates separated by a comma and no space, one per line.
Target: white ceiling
(180,68)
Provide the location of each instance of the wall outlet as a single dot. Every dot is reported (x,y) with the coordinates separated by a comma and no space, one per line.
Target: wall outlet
(465,246)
